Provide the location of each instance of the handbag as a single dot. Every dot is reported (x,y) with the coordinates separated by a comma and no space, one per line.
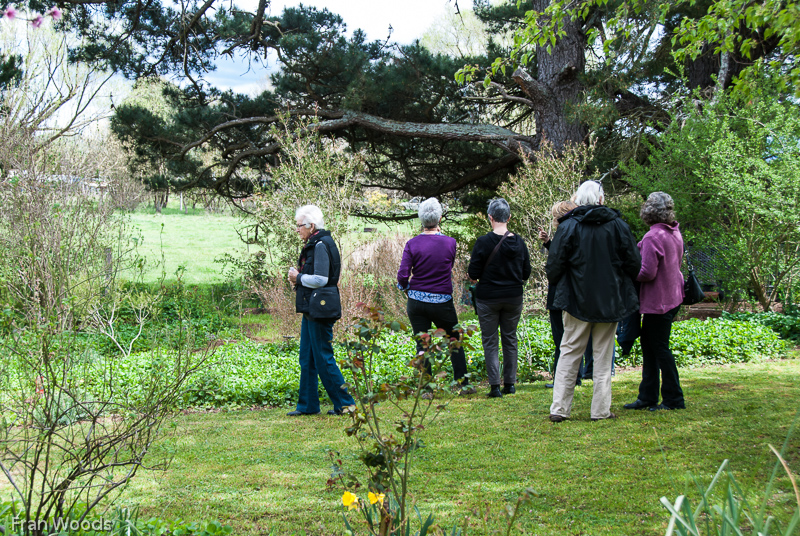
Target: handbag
(325,304)
(473,295)
(692,290)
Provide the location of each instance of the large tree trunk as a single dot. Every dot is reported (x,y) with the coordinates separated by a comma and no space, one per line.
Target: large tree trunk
(557,85)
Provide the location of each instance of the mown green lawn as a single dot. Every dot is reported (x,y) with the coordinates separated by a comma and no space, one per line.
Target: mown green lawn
(261,471)
(196,240)
(193,241)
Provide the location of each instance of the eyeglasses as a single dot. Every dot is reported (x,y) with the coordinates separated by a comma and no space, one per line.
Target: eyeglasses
(302,225)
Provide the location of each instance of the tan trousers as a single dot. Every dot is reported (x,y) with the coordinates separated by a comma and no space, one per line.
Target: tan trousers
(576,337)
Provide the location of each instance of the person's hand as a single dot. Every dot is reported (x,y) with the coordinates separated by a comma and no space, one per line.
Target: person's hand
(543,235)
(293,275)
(473,281)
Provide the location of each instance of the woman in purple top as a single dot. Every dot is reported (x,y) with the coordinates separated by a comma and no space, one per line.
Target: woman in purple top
(425,275)
(660,297)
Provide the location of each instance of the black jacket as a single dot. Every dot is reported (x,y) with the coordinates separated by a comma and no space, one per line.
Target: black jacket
(593,262)
(306,264)
(505,276)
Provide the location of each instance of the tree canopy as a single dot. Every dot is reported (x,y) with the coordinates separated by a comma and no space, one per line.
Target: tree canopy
(576,68)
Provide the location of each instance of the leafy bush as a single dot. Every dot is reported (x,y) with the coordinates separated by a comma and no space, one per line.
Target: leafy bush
(785,325)
(248,373)
(719,341)
(121,522)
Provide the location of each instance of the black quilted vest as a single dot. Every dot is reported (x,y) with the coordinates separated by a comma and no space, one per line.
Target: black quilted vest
(304,293)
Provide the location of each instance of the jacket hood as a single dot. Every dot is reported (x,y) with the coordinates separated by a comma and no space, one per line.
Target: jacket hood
(512,247)
(592,214)
(671,228)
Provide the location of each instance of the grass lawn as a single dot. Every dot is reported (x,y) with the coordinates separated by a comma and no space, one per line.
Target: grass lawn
(196,239)
(190,240)
(261,471)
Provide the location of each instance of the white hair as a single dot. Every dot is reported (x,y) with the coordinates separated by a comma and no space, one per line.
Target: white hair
(310,214)
(589,193)
(430,212)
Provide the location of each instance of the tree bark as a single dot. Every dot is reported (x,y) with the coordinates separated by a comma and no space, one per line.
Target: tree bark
(557,85)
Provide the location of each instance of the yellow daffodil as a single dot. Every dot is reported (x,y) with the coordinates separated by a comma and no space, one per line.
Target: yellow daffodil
(350,500)
(373,498)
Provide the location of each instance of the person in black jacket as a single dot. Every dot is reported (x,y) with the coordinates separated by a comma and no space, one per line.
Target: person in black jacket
(501,276)
(319,266)
(593,262)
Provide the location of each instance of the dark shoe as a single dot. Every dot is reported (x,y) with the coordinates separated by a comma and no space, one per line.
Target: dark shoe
(557,418)
(549,385)
(637,405)
(578,381)
(509,389)
(662,406)
(611,416)
(495,392)
(335,412)
(298,413)
(467,389)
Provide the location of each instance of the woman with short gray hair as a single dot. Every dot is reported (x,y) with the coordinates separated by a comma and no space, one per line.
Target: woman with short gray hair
(501,264)
(426,275)
(317,272)
(660,298)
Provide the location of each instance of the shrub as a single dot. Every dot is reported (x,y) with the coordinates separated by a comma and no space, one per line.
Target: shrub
(720,341)
(785,325)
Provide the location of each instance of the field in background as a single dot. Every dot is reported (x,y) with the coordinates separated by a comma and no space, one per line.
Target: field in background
(196,239)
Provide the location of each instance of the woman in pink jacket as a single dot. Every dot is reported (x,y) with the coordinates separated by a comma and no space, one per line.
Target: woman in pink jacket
(660,298)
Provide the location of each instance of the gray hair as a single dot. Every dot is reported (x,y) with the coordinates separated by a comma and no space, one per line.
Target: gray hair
(430,212)
(499,210)
(589,193)
(310,215)
(659,208)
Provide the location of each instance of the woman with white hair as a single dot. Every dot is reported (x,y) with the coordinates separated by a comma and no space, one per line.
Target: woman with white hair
(425,275)
(660,298)
(593,262)
(501,264)
(315,280)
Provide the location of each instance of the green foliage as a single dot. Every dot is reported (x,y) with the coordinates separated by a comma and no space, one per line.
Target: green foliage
(745,29)
(718,341)
(118,522)
(785,325)
(248,373)
(732,168)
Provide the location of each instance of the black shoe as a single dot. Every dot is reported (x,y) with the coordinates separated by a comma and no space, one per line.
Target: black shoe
(557,418)
(495,392)
(509,389)
(578,381)
(662,406)
(638,405)
(549,385)
(335,412)
(298,413)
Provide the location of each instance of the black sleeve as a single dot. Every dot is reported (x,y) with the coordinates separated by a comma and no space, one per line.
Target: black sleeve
(526,261)
(477,260)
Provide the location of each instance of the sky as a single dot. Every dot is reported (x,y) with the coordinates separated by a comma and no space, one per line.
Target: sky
(408,18)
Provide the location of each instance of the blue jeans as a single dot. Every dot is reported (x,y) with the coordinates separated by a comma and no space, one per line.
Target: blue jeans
(316,359)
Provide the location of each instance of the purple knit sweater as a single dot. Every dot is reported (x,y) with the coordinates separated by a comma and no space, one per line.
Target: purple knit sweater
(428,261)
(660,275)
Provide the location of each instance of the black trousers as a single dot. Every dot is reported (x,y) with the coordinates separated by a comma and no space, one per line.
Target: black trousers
(443,316)
(657,359)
